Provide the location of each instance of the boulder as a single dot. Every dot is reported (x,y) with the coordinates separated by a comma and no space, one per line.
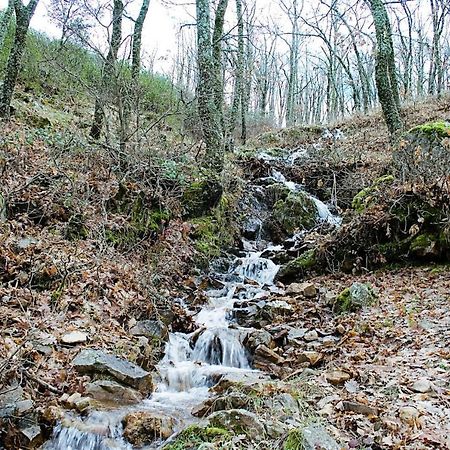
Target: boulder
(315,436)
(144,427)
(110,392)
(96,362)
(151,329)
(239,421)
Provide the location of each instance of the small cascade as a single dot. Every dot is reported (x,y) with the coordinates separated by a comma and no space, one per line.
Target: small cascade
(193,362)
(324,213)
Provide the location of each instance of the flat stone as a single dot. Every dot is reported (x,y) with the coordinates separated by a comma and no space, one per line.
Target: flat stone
(297,333)
(279,307)
(151,329)
(239,421)
(268,355)
(99,362)
(110,392)
(359,408)
(337,377)
(74,337)
(306,289)
(247,381)
(259,337)
(422,385)
(311,357)
(32,434)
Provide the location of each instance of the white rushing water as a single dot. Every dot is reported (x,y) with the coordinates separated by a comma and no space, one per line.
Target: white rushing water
(191,365)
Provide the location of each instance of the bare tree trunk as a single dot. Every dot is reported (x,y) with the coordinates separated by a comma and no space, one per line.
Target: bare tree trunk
(23,17)
(108,69)
(208,89)
(385,73)
(239,79)
(5,20)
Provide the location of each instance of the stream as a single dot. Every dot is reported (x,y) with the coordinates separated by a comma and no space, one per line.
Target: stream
(193,362)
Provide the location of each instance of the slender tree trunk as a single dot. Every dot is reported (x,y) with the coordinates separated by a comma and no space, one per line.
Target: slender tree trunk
(207,91)
(385,72)
(239,80)
(108,70)
(23,17)
(5,20)
(131,99)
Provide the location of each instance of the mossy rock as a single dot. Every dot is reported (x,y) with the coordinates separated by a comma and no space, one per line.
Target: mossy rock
(438,129)
(357,296)
(201,197)
(423,153)
(367,197)
(430,245)
(299,267)
(145,217)
(296,212)
(76,228)
(194,436)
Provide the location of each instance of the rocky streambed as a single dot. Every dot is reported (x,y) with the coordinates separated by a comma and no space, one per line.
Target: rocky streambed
(209,380)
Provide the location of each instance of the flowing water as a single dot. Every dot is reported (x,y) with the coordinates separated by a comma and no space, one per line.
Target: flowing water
(192,362)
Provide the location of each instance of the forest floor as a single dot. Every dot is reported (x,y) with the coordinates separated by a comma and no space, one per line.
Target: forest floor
(395,391)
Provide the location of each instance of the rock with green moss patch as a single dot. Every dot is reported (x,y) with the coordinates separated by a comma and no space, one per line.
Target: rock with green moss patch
(239,421)
(367,197)
(296,212)
(298,268)
(357,296)
(194,436)
(201,196)
(428,245)
(424,153)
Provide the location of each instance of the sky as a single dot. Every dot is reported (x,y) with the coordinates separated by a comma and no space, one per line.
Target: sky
(159,36)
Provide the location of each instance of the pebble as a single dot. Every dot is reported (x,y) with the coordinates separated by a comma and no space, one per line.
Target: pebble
(74,337)
(337,377)
(409,414)
(422,385)
(311,336)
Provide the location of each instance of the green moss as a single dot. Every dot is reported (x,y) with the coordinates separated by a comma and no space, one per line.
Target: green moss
(194,436)
(215,232)
(296,211)
(76,228)
(355,297)
(294,440)
(299,266)
(366,197)
(434,129)
(201,197)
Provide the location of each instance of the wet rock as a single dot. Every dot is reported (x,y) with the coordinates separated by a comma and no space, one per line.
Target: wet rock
(151,329)
(239,421)
(337,377)
(306,289)
(279,308)
(144,427)
(252,228)
(110,392)
(422,386)
(99,362)
(32,435)
(311,336)
(74,337)
(259,337)
(315,437)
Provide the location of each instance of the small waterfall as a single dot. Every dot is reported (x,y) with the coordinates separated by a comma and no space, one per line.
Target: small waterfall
(323,212)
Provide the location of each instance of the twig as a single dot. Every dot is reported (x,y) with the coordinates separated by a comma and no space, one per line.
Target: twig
(42,383)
